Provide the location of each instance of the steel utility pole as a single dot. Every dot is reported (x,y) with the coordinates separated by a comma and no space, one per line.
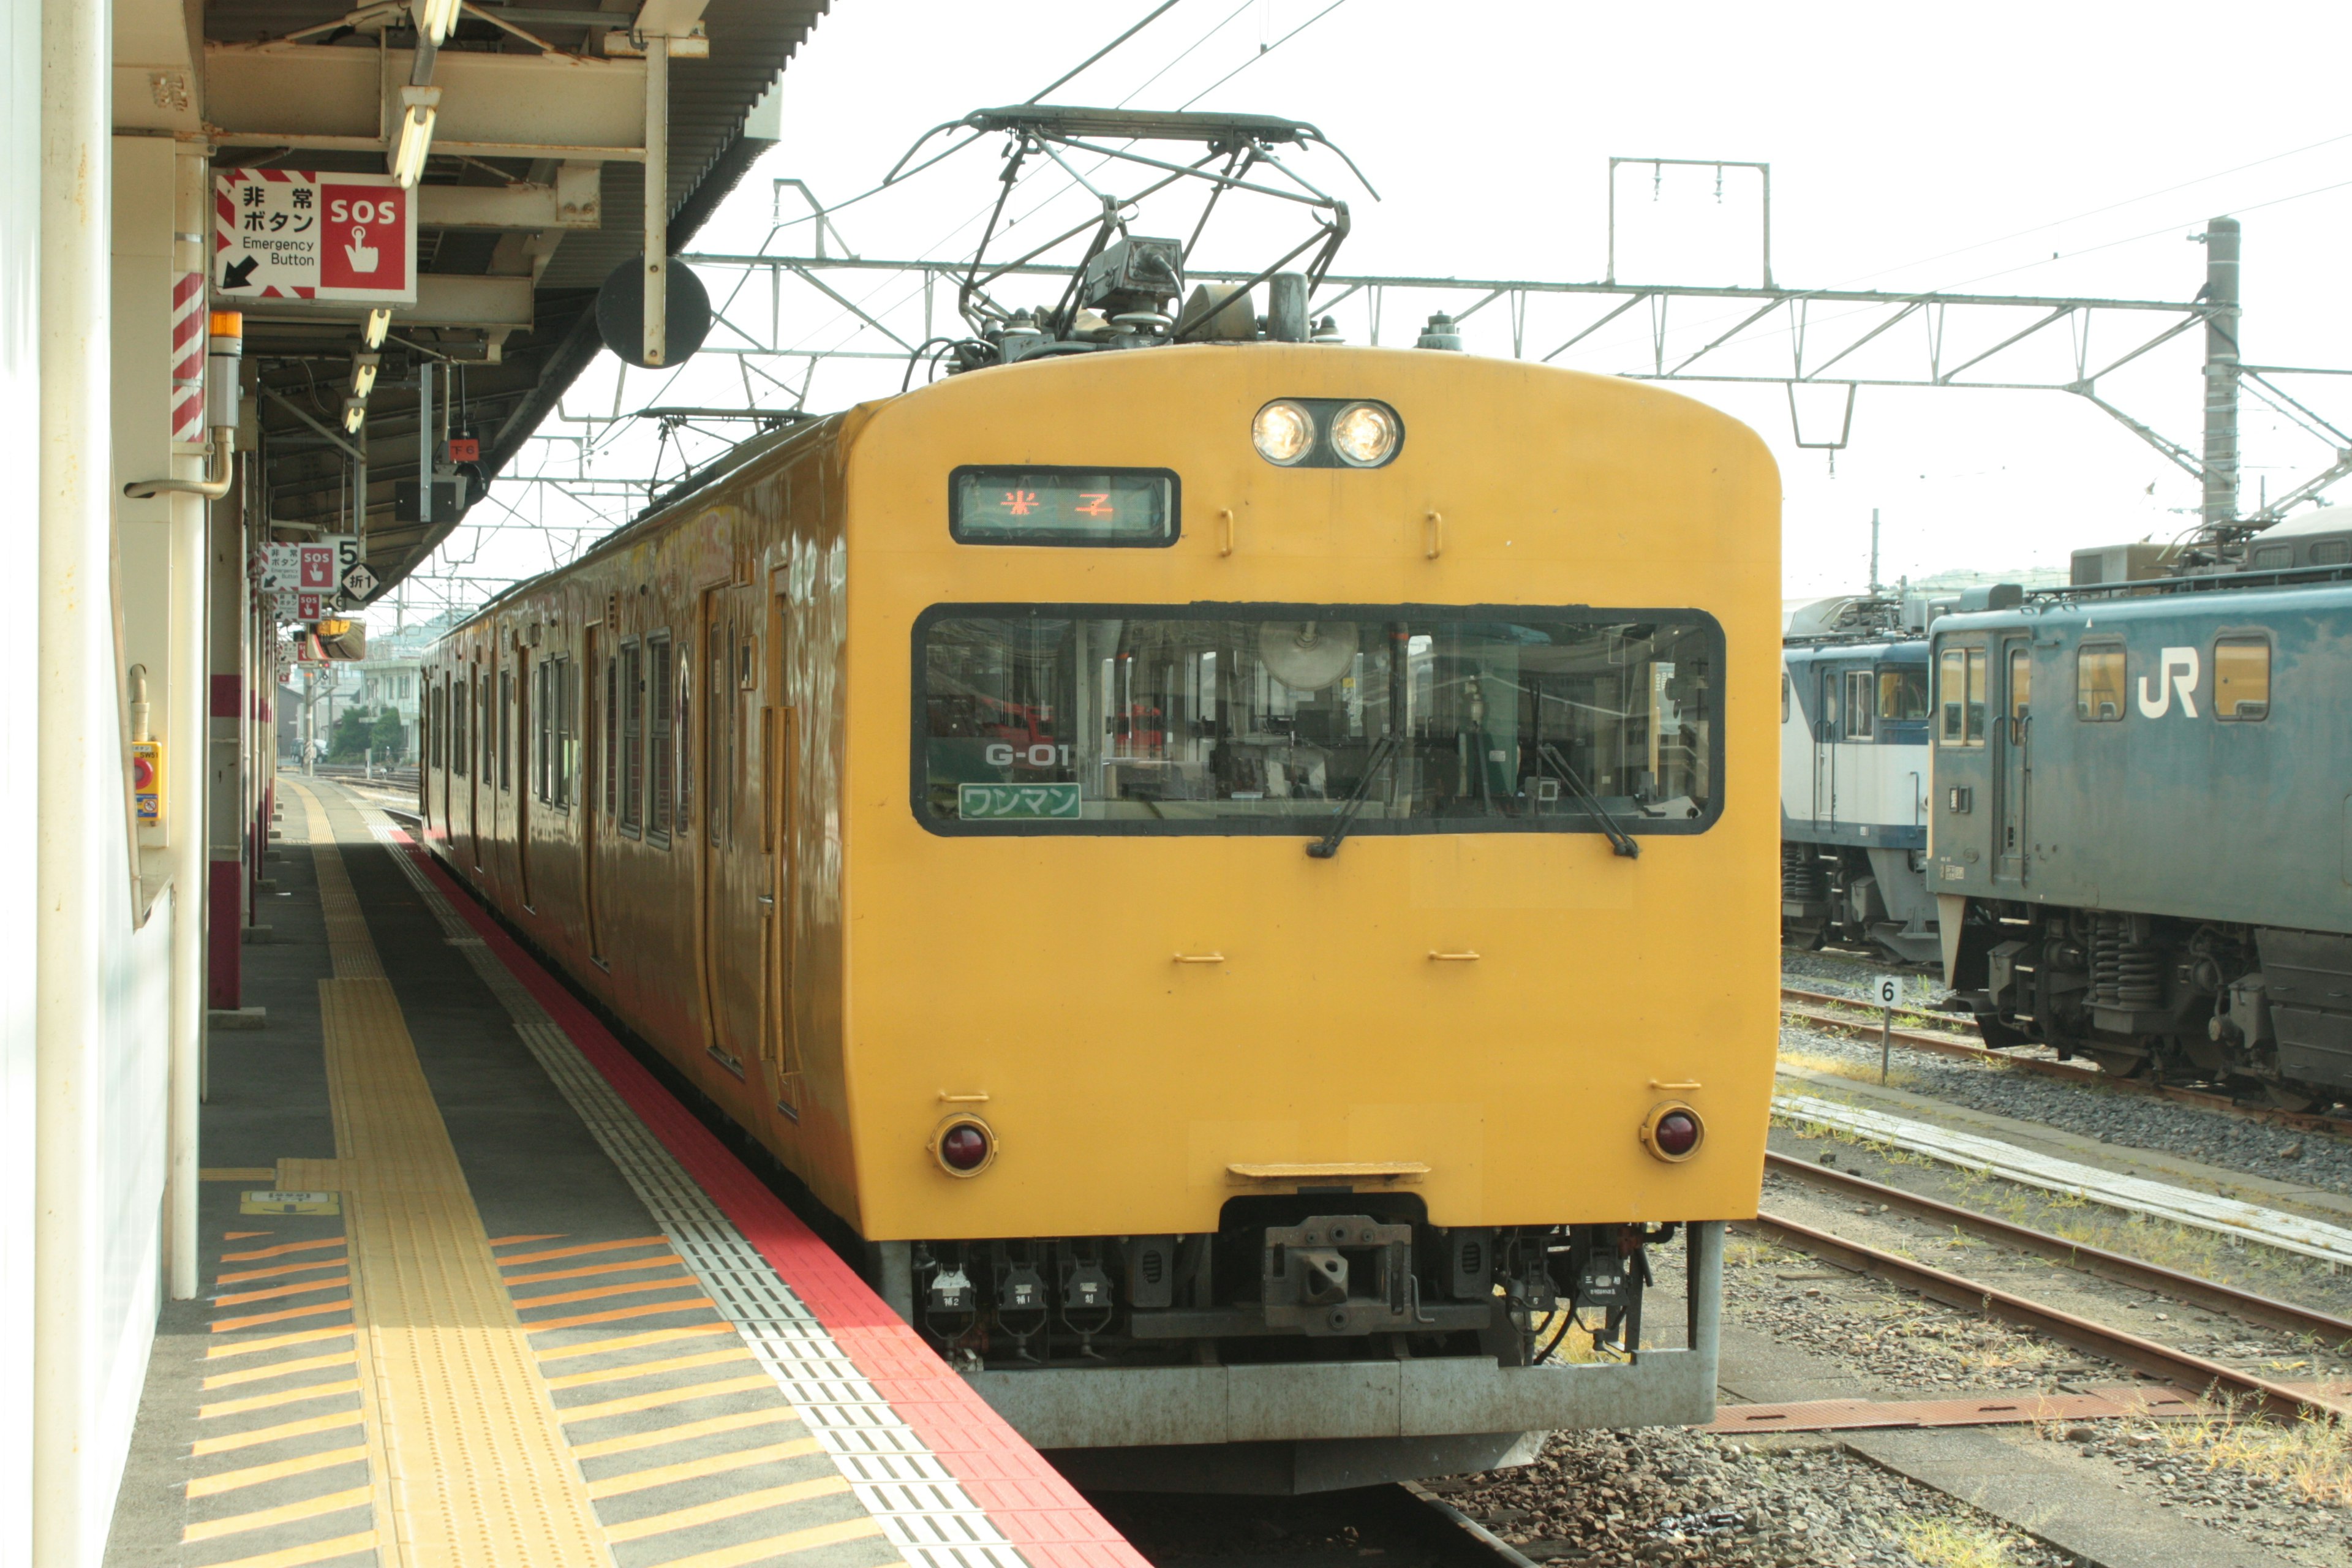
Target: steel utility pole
(2222,361)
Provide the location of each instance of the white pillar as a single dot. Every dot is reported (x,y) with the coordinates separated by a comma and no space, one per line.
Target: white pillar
(185,730)
(656,257)
(80,798)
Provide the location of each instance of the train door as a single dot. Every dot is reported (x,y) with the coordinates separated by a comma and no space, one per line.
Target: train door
(1826,737)
(2014,737)
(778,741)
(527,758)
(478,726)
(591,784)
(733,915)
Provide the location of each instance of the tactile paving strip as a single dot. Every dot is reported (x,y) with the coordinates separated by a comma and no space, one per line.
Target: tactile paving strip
(478,1471)
(922,1507)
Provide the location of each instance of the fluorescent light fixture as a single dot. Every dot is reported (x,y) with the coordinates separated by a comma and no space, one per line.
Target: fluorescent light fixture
(419,107)
(379,323)
(363,368)
(354,416)
(437,18)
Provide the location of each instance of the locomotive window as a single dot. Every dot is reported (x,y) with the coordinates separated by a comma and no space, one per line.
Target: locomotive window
(1961,695)
(460,727)
(2241,678)
(1784,696)
(2099,683)
(633,730)
(505,711)
(610,769)
(1858,706)
(1062,505)
(2020,682)
(545,712)
(1903,691)
(660,742)
(1221,719)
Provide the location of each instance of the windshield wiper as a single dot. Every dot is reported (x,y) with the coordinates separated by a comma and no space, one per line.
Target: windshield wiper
(1618,837)
(1328,845)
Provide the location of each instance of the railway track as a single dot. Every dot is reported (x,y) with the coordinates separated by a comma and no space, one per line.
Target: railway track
(1822,1009)
(2179,1367)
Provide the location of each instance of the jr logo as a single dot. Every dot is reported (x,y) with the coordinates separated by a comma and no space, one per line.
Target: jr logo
(2177,671)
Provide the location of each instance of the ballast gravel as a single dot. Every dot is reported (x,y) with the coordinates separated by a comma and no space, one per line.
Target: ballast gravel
(1666,1494)
(2111,1115)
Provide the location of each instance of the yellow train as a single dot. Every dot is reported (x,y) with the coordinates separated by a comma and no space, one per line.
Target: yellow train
(1244,872)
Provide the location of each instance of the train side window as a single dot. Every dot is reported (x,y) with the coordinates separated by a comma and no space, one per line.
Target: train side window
(2242,678)
(633,738)
(1960,679)
(506,713)
(458,728)
(2099,683)
(681,733)
(660,740)
(566,683)
(1903,692)
(611,769)
(1784,696)
(1858,705)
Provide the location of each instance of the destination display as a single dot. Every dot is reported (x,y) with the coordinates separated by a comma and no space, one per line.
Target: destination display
(1062,506)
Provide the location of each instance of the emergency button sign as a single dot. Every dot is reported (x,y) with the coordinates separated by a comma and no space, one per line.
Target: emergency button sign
(293,234)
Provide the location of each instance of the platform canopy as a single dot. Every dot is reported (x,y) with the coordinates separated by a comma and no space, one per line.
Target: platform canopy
(531,193)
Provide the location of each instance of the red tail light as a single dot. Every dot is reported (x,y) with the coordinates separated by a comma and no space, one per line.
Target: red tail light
(1673,1132)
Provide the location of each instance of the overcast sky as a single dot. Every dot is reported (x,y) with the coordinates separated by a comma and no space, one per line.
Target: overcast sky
(2048,149)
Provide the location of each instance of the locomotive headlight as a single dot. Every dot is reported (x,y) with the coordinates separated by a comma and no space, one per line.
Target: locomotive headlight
(1365,435)
(1283,432)
(1673,1132)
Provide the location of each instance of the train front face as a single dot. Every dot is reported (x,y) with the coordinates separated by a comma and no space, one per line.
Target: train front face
(1853,796)
(1255,1018)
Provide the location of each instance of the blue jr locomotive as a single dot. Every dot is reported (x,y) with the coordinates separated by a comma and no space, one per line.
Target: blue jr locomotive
(2140,827)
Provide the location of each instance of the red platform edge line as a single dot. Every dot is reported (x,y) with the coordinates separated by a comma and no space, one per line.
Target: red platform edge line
(1037,1510)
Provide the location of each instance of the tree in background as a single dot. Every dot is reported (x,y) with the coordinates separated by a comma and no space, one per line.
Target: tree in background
(389,735)
(353,727)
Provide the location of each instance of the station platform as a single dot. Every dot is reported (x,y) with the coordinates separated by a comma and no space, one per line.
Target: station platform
(480,1292)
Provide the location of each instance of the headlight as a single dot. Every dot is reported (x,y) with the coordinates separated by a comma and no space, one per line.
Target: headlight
(1283,433)
(1364,435)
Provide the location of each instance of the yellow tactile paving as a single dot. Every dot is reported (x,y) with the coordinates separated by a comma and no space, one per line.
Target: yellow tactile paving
(733,1507)
(684,1433)
(777,1545)
(286,1513)
(234,1441)
(475,1469)
(709,1465)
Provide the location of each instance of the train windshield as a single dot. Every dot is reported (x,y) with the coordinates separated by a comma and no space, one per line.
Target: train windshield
(1160,719)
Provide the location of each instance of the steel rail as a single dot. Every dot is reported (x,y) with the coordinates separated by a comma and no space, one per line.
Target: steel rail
(2193,1372)
(1944,1045)
(2332,1330)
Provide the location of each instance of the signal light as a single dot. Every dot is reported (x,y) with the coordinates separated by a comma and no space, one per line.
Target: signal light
(964,1145)
(1673,1132)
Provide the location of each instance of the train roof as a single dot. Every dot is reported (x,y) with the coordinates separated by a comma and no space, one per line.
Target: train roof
(2060,607)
